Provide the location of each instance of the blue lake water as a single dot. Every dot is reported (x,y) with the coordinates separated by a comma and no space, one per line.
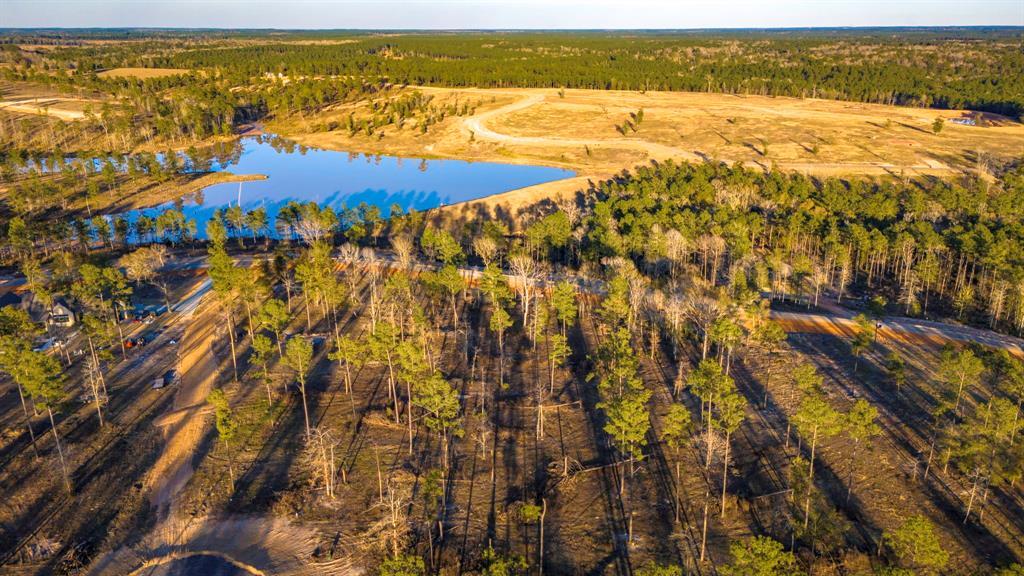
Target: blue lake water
(342,179)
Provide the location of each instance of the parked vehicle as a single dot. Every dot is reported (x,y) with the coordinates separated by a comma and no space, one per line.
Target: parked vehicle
(170,378)
(135,342)
(45,345)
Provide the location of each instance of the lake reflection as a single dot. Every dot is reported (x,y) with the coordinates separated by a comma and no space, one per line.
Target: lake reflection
(343,179)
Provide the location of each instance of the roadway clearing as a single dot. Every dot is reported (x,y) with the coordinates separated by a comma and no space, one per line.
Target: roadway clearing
(909,331)
(198,368)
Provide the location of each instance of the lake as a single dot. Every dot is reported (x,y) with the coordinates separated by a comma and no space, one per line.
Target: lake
(344,179)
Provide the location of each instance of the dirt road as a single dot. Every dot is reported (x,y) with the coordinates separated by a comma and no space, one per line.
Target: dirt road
(908,330)
(181,544)
(475,124)
(478,127)
(198,368)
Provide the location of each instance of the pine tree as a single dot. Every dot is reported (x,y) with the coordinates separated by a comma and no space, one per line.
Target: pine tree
(960,369)
(760,556)
(41,377)
(298,355)
(731,413)
(440,403)
(261,348)
(860,426)
(227,426)
(816,420)
(916,546)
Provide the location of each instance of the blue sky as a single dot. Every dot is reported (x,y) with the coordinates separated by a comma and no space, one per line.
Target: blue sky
(540,14)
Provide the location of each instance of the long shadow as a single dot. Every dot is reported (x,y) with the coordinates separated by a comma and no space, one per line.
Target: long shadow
(457,463)
(906,418)
(358,440)
(613,510)
(14,422)
(666,493)
(256,490)
(91,535)
(829,481)
(921,130)
(82,419)
(32,516)
(471,313)
(83,429)
(760,151)
(507,419)
(868,378)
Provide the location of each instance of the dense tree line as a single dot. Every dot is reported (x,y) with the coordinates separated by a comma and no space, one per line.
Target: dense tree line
(225,84)
(186,108)
(947,69)
(929,246)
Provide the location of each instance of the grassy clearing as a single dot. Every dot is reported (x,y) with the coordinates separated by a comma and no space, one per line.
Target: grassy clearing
(818,133)
(580,130)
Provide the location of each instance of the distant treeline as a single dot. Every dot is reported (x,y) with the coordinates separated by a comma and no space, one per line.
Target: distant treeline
(978,69)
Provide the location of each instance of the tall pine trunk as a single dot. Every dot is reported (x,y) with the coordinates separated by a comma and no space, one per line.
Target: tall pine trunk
(60,451)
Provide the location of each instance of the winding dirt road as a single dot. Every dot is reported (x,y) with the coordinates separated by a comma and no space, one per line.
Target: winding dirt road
(477,126)
(181,545)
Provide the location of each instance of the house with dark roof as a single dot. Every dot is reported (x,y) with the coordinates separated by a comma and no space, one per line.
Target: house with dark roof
(58,314)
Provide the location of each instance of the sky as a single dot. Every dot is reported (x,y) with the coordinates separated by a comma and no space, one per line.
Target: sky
(507,14)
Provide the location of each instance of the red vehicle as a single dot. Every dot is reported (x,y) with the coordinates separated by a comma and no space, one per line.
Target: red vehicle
(134,342)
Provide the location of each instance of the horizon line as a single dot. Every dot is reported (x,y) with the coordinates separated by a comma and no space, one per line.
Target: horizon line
(528,29)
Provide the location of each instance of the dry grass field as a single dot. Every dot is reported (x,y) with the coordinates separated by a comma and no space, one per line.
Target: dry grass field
(22,98)
(586,130)
(62,108)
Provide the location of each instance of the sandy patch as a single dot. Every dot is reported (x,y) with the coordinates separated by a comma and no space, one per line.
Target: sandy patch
(198,368)
(254,545)
(141,72)
(586,131)
(63,108)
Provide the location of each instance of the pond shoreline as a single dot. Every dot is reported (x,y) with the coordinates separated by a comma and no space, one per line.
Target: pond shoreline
(512,200)
(283,170)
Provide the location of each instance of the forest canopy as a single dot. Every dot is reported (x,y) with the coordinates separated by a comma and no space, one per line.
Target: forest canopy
(974,68)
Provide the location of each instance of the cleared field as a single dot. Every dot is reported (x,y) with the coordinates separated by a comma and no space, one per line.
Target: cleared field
(63,108)
(587,130)
(141,72)
(763,129)
(20,98)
